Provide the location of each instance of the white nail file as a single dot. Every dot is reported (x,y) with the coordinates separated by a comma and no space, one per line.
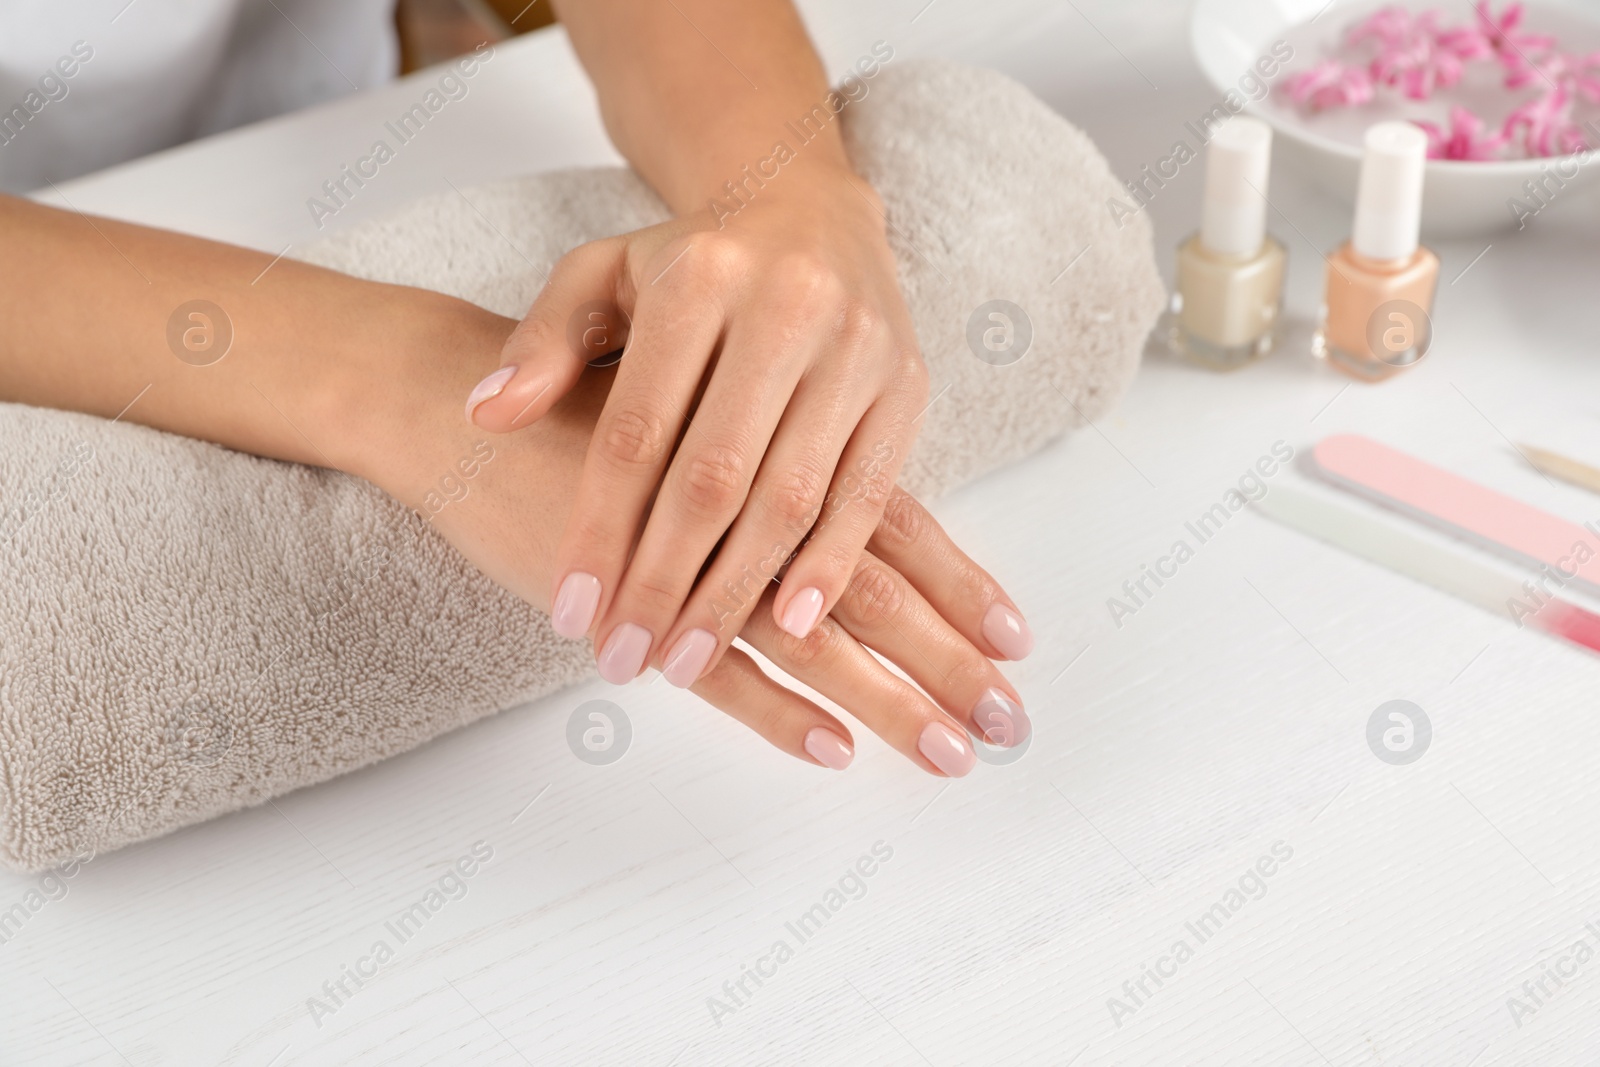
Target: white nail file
(1407,552)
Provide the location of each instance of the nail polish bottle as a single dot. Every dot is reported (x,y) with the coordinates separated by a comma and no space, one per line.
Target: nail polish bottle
(1225,307)
(1375,316)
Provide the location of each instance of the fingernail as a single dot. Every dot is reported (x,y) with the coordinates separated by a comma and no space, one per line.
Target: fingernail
(1001,720)
(946,749)
(689,657)
(489,388)
(624,653)
(575,604)
(802,613)
(828,748)
(1007,631)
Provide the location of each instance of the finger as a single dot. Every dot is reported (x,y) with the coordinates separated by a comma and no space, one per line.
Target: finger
(673,336)
(861,485)
(912,542)
(792,723)
(774,516)
(880,609)
(574,320)
(836,665)
(708,483)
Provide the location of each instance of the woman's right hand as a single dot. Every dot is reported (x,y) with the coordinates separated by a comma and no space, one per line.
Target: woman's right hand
(914,598)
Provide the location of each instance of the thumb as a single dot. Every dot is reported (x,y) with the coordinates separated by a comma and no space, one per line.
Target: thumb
(575,320)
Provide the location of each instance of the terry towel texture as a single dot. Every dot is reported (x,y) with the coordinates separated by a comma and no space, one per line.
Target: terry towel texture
(187,630)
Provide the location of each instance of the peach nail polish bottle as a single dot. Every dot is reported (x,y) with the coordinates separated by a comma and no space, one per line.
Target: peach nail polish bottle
(1381,282)
(1225,307)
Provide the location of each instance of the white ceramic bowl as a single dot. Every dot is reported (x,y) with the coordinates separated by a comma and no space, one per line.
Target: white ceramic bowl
(1460,198)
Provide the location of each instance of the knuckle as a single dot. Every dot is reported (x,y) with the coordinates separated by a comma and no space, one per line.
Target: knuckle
(875,594)
(909,708)
(814,650)
(718,257)
(876,488)
(634,438)
(770,718)
(858,323)
(904,523)
(570,264)
(969,673)
(720,685)
(839,556)
(864,493)
(973,586)
(713,480)
(605,252)
(532,336)
(794,496)
(657,593)
(582,267)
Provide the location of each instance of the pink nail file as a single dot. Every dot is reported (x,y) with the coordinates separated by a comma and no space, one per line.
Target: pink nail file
(1461,508)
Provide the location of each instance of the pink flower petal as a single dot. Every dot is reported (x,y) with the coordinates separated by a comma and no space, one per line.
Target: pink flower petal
(1416,54)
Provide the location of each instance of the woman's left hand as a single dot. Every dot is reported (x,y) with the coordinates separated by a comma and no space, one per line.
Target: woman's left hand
(769,389)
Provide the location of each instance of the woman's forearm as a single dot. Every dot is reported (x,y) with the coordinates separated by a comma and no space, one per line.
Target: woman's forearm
(693,91)
(97,313)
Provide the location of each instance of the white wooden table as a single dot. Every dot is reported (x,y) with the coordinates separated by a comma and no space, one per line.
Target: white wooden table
(1172,753)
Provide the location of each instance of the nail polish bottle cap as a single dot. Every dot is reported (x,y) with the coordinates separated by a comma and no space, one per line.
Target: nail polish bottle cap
(1389,198)
(1233,215)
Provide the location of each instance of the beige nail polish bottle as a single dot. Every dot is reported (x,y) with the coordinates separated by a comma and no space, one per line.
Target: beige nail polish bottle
(1375,316)
(1229,293)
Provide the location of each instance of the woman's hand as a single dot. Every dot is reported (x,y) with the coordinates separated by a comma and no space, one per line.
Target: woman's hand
(913,597)
(769,390)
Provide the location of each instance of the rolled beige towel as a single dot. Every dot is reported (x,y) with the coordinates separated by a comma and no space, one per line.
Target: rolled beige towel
(186,630)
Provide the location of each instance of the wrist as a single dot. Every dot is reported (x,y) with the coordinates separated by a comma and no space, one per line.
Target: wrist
(832,182)
(499,499)
(819,190)
(396,397)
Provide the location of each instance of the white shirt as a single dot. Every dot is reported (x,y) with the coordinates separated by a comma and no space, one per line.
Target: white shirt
(88,83)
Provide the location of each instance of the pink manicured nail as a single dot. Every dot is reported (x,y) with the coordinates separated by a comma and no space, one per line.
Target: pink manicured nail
(1007,632)
(828,748)
(575,604)
(489,388)
(802,613)
(946,749)
(1001,720)
(689,657)
(624,653)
